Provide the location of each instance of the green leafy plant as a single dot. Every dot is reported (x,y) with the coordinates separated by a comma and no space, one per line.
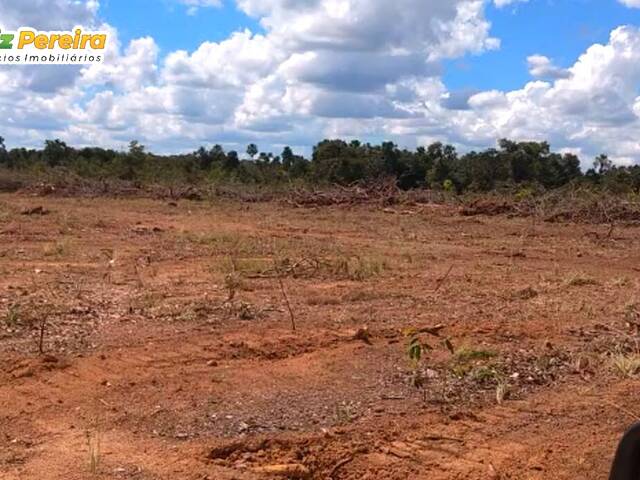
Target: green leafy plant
(524,193)
(418,349)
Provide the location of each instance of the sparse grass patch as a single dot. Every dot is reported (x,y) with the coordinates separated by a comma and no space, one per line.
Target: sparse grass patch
(5,213)
(59,248)
(93,446)
(484,374)
(502,392)
(628,365)
(12,317)
(246,311)
(407,257)
(358,268)
(68,223)
(243,310)
(354,268)
(241,244)
(145,301)
(580,280)
(233,283)
(100,224)
(468,354)
(246,266)
(229,242)
(319,299)
(346,412)
(525,294)
(474,364)
(621,282)
(547,362)
(360,296)
(632,313)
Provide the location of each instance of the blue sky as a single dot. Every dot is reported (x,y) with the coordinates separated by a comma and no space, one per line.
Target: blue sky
(186,73)
(559,29)
(171,24)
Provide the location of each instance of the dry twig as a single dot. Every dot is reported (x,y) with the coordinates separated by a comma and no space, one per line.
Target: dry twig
(284,295)
(443,279)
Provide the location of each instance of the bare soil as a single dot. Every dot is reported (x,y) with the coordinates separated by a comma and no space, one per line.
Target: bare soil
(141,339)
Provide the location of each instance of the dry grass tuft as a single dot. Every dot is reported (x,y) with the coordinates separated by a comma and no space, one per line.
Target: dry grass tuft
(320,300)
(468,354)
(628,365)
(57,249)
(580,280)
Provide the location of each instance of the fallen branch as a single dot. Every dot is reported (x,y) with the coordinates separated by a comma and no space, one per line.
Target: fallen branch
(435,330)
(340,464)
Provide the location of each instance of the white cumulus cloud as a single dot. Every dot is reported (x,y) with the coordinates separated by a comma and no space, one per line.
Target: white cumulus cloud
(542,67)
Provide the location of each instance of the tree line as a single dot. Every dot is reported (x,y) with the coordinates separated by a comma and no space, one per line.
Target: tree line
(437,166)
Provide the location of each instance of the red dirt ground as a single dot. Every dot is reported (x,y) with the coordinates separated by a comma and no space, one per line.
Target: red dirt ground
(150,371)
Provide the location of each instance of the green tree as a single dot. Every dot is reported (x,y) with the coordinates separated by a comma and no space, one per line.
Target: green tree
(337,162)
(55,152)
(481,171)
(252,150)
(443,160)
(265,158)
(135,160)
(4,155)
(287,158)
(218,156)
(231,161)
(602,164)
(204,158)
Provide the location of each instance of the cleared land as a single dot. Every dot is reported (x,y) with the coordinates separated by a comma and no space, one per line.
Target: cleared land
(168,351)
